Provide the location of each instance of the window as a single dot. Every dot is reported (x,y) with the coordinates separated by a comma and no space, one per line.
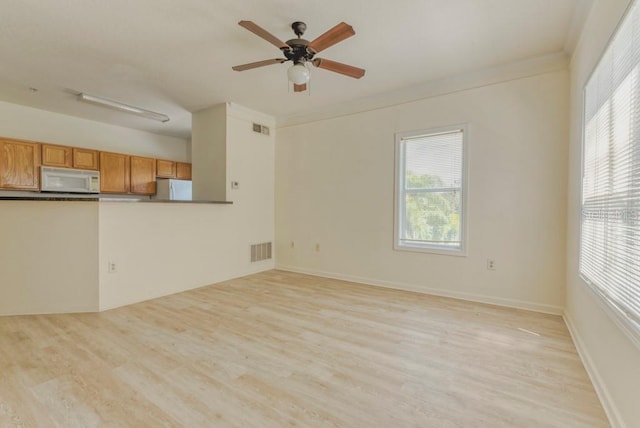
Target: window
(610,224)
(431,191)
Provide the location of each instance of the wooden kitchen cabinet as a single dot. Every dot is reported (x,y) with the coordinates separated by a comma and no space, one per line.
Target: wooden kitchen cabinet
(165,169)
(183,171)
(58,156)
(86,159)
(143,175)
(114,173)
(19,165)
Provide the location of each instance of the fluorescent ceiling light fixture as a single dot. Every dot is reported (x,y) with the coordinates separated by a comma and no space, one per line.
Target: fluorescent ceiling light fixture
(105,102)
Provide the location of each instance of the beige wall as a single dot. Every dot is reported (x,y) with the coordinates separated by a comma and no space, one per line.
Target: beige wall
(335,187)
(209,148)
(611,358)
(48,257)
(39,125)
(161,249)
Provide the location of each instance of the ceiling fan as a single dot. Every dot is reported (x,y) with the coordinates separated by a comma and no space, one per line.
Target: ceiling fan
(301,52)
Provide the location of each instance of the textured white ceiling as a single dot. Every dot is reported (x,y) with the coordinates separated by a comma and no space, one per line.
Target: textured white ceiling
(176,56)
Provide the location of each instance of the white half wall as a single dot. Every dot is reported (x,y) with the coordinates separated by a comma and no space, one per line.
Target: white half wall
(610,357)
(335,188)
(27,123)
(161,249)
(48,257)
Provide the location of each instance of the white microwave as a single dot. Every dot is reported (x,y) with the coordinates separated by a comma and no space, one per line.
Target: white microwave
(65,180)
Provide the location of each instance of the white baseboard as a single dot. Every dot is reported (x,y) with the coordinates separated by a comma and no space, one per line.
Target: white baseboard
(603,393)
(498,301)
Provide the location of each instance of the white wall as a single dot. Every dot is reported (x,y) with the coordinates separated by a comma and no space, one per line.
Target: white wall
(335,187)
(48,257)
(163,248)
(612,360)
(28,123)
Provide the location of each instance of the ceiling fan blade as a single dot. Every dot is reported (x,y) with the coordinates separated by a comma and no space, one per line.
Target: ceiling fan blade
(261,32)
(299,88)
(257,64)
(335,35)
(338,67)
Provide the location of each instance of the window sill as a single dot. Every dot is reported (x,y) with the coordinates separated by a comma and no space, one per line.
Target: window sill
(628,326)
(431,250)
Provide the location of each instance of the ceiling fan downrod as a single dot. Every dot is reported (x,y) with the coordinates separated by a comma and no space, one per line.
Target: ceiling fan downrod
(299,28)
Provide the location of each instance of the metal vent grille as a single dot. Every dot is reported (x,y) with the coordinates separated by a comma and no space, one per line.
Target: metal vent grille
(260,252)
(260,129)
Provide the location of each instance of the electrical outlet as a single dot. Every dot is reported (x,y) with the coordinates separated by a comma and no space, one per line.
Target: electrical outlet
(318,248)
(113,267)
(235,185)
(491,264)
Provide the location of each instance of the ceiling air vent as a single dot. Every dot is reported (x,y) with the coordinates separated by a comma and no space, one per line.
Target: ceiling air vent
(260,129)
(261,251)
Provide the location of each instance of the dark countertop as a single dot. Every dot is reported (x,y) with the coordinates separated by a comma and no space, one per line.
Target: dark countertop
(159,201)
(99,198)
(48,198)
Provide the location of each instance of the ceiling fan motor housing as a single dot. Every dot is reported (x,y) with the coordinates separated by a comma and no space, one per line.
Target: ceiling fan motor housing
(298,52)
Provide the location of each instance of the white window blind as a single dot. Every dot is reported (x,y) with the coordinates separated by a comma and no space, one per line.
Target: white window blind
(430,190)
(610,232)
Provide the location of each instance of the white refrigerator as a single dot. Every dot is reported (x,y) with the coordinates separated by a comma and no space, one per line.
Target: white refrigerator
(170,189)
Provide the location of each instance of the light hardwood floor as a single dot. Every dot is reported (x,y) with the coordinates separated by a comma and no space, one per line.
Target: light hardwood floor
(280,349)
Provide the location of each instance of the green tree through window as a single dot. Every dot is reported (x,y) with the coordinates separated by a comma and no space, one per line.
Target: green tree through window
(431,216)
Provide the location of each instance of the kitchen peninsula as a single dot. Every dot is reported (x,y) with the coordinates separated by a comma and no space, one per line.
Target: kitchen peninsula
(61,256)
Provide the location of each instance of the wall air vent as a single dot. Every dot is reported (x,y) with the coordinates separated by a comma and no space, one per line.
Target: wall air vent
(260,252)
(260,129)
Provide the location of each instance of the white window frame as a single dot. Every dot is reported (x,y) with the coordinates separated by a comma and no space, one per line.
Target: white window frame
(627,325)
(399,172)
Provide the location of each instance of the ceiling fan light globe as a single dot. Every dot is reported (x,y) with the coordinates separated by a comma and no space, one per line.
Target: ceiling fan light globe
(298,74)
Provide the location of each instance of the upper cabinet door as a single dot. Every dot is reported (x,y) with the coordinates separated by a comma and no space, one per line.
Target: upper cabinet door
(59,156)
(85,159)
(19,163)
(114,173)
(166,169)
(183,171)
(143,175)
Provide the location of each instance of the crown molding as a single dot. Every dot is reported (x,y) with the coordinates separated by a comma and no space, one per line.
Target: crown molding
(456,83)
